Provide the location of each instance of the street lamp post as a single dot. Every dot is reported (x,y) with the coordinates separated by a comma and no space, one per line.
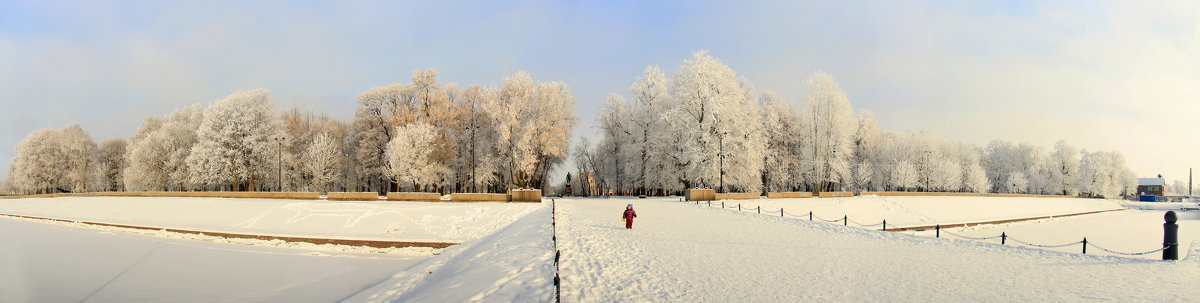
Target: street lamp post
(346,177)
(721,142)
(279,178)
(928,166)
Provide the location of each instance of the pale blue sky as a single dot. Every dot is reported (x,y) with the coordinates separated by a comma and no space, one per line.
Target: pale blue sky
(1104,75)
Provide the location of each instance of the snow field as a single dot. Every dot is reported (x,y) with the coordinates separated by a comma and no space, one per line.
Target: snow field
(398,221)
(682,252)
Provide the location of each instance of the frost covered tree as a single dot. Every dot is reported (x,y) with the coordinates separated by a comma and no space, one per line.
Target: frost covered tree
(1016,183)
(781,128)
(33,165)
(868,148)
(904,176)
(236,143)
(1064,169)
(719,139)
(974,177)
(157,154)
(615,126)
(830,131)
(300,131)
(648,163)
(410,158)
(1103,174)
(489,139)
(477,140)
(322,160)
(532,122)
(863,173)
(112,163)
(1005,159)
(379,110)
(49,161)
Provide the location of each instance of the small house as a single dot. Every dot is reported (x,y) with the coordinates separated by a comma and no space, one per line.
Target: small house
(1152,187)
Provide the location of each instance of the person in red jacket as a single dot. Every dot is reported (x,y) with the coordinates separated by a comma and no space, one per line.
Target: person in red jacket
(628,216)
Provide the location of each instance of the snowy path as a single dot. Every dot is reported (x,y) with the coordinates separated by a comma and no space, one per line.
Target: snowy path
(42,262)
(686,253)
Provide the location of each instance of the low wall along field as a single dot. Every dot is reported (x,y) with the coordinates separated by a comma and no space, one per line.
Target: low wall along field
(417,197)
(834,194)
(935,194)
(788,195)
(476,197)
(698,194)
(735,196)
(526,195)
(342,196)
(243,195)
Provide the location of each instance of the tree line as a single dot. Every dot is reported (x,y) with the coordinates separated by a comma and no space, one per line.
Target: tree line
(418,136)
(705,127)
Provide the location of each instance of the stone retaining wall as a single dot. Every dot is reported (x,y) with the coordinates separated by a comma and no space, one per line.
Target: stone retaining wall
(417,197)
(787,195)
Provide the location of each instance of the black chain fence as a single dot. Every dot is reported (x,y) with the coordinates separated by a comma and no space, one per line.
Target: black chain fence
(1004,238)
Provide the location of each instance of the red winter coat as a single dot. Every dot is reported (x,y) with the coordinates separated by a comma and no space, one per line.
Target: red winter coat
(629,214)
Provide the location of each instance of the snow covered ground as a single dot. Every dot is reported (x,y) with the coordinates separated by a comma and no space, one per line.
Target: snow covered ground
(399,221)
(677,252)
(513,265)
(682,252)
(912,211)
(43,262)
(1129,231)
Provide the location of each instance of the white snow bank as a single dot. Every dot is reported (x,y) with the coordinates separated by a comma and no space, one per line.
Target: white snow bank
(516,264)
(398,221)
(912,211)
(1161,205)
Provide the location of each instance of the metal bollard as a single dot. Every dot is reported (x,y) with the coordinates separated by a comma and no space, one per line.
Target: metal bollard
(1170,237)
(739,207)
(810,215)
(938,227)
(1085,245)
(1003,238)
(845,220)
(884,225)
(781,211)
(722,204)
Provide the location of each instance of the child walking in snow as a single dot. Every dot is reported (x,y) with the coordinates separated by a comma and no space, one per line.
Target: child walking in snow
(628,216)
